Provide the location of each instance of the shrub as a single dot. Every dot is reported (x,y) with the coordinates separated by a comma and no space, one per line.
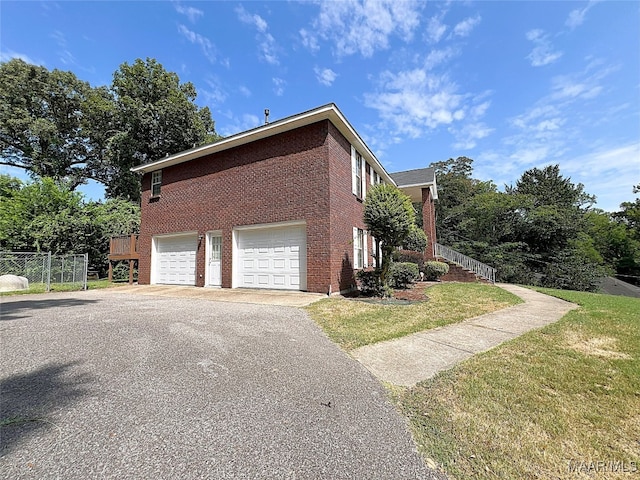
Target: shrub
(434,270)
(411,256)
(369,284)
(403,274)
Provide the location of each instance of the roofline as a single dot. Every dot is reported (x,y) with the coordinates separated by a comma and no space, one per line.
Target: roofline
(329,112)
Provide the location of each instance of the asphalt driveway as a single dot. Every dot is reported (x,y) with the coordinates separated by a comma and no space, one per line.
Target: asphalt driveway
(98,385)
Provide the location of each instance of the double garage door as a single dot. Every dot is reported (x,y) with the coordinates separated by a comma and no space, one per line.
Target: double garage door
(269,257)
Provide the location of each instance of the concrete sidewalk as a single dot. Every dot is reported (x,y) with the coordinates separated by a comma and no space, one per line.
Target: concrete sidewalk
(408,360)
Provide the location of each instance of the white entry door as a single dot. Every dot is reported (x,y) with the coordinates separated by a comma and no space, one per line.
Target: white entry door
(215,261)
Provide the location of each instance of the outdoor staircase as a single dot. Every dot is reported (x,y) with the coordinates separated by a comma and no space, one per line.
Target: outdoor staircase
(463,268)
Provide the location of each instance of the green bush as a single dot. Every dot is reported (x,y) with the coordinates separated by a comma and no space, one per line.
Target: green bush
(434,270)
(401,256)
(370,286)
(403,274)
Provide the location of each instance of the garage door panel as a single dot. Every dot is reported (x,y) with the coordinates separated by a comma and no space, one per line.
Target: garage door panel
(176,260)
(272,257)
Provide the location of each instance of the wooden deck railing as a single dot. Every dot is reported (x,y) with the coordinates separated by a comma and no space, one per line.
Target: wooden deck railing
(123,247)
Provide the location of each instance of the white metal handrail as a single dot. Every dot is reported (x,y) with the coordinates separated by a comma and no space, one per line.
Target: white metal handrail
(479,268)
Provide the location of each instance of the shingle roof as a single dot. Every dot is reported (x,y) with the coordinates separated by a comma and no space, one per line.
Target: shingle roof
(420,176)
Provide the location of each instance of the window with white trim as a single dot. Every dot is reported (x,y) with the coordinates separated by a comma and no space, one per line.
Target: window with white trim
(358,174)
(156,182)
(358,248)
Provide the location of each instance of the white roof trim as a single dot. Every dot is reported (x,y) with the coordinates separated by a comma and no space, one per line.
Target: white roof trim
(326,112)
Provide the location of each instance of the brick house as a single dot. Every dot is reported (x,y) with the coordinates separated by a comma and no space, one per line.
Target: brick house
(279,206)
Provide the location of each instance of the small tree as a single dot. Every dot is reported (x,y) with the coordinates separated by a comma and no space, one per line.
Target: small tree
(389,216)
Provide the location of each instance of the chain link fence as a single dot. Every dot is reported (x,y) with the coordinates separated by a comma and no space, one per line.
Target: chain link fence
(45,268)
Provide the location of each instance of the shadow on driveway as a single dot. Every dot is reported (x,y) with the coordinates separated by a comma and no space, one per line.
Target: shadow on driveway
(27,400)
(12,309)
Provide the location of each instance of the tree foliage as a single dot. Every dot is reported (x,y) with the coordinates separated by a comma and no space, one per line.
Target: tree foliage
(44,216)
(43,127)
(54,125)
(525,231)
(389,216)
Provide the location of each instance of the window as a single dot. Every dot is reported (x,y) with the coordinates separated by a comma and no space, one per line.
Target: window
(360,259)
(156,181)
(358,174)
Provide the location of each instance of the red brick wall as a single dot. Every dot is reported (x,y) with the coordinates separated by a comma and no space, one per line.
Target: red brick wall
(429,222)
(286,177)
(346,211)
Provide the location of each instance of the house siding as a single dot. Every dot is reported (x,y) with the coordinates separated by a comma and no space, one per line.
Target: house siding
(303,174)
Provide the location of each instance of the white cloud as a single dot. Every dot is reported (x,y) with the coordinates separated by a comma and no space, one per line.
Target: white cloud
(362,27)
(435,29)
(244,91)
(191,13)
(606,172)
(309,40)
(325,76)
(543,52)
(208,48)
(437,57)
(412,102)
(7,55)
(576,17)
(464,28)
(278,86)
(252,19)
(235,125)
(469,134)
(215,93)
(267,45)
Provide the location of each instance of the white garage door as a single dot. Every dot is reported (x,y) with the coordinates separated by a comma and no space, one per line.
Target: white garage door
(274,257)
(175,260)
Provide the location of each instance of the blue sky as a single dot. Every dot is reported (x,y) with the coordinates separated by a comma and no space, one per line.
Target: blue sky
(513,85)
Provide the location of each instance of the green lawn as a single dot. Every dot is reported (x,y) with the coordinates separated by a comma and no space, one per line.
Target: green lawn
(544,405)
(353,324)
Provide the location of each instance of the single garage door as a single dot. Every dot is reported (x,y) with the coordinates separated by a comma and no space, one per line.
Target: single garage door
(175,259)
(274,257)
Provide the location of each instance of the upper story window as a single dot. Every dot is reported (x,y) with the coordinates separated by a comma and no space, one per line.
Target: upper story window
(156,182)
(358,174)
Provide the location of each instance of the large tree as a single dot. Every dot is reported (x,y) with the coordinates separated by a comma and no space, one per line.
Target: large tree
(42,123)
(154,115)
(54,125)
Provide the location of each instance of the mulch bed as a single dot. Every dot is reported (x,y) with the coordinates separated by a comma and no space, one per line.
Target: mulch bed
(414,294)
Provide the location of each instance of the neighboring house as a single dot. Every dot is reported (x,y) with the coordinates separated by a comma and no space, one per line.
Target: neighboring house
(279,206)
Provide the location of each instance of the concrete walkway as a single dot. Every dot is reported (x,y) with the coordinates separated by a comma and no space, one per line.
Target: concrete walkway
(408,360)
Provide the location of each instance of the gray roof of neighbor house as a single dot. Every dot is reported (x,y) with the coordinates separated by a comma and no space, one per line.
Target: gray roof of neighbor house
(413,181)
(419,176)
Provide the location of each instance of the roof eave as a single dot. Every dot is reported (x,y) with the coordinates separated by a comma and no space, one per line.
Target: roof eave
(326,112)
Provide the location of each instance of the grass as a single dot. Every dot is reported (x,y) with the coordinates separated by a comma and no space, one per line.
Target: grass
(544,405)
(61,287)
(353,324)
